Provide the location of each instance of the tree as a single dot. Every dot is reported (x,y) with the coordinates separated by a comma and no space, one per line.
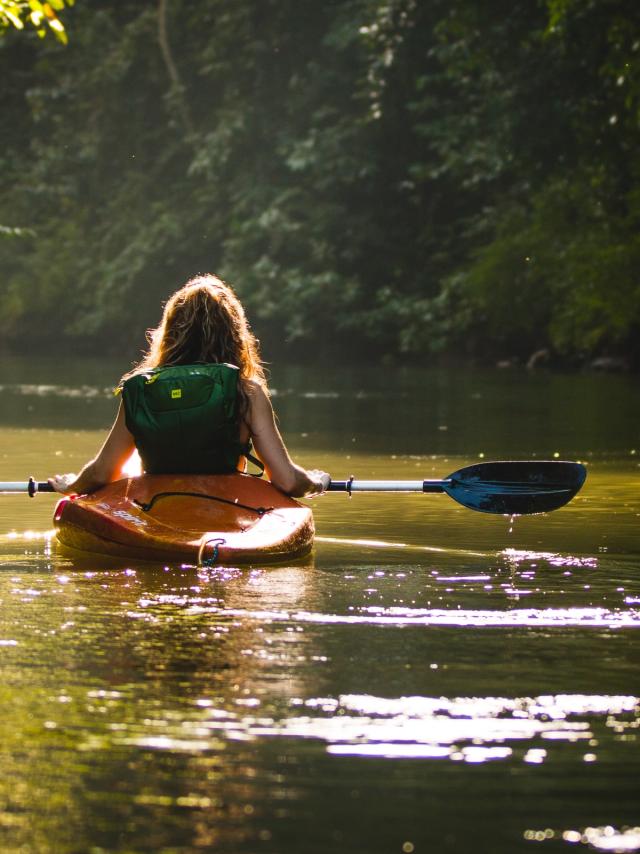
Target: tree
(418,178)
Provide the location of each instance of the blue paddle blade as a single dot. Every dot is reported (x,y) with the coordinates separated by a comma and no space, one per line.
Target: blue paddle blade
(516,488)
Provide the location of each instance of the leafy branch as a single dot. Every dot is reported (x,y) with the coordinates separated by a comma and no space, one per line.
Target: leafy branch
(41,16)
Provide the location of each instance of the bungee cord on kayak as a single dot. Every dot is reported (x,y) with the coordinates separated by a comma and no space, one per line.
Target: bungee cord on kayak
(148,505)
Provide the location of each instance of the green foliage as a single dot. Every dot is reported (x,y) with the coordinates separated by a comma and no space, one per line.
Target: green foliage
(561,271)
(41,16)
(398,177)
(561,267)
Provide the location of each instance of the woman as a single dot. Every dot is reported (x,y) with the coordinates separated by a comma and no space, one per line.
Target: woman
(203,343)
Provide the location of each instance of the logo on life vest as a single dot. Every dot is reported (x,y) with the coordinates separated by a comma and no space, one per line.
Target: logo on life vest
(176,393)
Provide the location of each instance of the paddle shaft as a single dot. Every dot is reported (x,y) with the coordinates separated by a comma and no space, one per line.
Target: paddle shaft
(388,485)
(30,486)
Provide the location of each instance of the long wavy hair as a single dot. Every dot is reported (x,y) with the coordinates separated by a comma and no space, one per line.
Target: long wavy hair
(203,322)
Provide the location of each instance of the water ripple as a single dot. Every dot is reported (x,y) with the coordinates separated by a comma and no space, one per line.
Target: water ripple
(50,390)
(583,617)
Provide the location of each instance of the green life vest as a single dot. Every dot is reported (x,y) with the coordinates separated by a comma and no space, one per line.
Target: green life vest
(184,420)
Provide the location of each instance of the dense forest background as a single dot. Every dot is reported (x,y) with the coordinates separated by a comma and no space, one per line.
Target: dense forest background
(391,178)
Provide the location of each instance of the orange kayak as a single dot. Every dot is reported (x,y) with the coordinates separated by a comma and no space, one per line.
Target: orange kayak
(202,519)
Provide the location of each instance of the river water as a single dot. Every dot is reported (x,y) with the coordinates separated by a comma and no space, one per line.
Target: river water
(431,679)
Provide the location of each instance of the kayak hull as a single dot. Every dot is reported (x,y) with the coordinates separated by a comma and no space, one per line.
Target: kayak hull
(225,519)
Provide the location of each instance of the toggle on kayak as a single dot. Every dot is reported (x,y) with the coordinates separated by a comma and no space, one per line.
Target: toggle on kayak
(202,519)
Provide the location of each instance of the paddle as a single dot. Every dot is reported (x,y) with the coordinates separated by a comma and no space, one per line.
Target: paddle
(510,488)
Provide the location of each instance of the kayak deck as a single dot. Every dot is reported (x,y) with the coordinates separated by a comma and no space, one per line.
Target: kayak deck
(214,519)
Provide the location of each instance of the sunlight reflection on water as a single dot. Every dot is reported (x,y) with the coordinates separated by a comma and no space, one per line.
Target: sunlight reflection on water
(399,616)
(385,544)
(518,556)
(606,838)
(468,729)
(27,536)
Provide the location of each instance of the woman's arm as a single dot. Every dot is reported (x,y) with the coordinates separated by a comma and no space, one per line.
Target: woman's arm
(268,443)
(105,467)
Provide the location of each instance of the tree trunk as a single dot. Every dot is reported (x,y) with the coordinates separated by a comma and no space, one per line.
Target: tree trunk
(177,88)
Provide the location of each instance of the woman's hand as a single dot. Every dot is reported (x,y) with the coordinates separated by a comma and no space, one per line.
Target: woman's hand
(321,481)
(63,482)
